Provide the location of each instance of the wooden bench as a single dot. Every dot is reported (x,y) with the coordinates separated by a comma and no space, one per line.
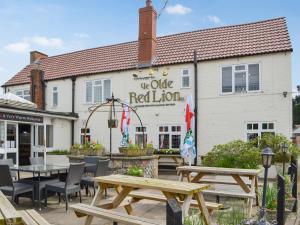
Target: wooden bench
(31,217)
(118,217)
(230,194)
(214,181)
(138,195)
(9,215)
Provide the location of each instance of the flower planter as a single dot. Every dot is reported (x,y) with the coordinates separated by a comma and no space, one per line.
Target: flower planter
(271,214)
(131,152)
(86,151)
(289,203)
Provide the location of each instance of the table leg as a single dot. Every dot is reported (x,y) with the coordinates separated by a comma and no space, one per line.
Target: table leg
(38,191)
(241,183)
(252,190)
(256,190)
(202,207)
(186,206)
(122,193)
(197,177)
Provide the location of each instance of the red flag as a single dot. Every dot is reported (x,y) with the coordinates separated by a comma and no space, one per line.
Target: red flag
(188,114)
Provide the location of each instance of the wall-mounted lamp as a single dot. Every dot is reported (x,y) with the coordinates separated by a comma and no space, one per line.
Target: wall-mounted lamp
(151,71)
(165,72)
(298,88)
(284,94)
(134,75)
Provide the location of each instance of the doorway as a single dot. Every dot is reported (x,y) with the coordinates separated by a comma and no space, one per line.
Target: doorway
(24,144)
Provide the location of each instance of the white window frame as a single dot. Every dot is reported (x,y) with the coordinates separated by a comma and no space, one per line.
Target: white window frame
(82,134)
(23,95)
(93,92)
(260,129)
(54,92)
(183,75)
(140,133)
(170,132)
(233,78)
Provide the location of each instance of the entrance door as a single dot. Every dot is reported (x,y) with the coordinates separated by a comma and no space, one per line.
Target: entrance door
(24,144)
(12,142)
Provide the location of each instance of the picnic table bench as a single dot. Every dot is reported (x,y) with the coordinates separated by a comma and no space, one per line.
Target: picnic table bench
(124,185)
(10,216)
(249,190)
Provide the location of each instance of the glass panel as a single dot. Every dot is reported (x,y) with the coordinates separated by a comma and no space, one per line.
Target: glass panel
(185,81)
(40,135)
(55,98)
(89,91)
(252,136)
(255,126)
(175,141)
(2,134)
(161,129)
(249,126)
(240,81)
(139,139)
(271,126)
(264,126)
(253,77)
(28,98)
(164,141)
(12,156)
(185,72)
(97,94)
(166,129)
(227,79)
(19,93)
(107,89)
(11,136)
(263,133)
(240,67)
(49,133)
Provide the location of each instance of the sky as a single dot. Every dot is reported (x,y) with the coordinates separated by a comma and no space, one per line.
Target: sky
(59,26)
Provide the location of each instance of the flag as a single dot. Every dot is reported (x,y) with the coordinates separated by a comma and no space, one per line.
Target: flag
(125,121)
(188,149)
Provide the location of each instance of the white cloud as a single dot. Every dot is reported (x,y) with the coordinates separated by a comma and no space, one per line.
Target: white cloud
(178,9)
(82,35)
(1,69)
(214,19)
(46,42)
(18,47)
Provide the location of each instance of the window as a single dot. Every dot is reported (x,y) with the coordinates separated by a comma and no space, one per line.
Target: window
(97,91)
(185,78)
(87,137)
(2,134)
(49,136)
(11,139)
(240,78)
(40,138)
(255,130)
(169,137)
(55,96)
(24,94)
(139,135)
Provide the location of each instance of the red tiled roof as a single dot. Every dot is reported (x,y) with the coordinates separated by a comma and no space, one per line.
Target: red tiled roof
(238,40)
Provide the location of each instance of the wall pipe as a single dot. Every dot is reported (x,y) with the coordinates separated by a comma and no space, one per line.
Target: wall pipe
(196,103)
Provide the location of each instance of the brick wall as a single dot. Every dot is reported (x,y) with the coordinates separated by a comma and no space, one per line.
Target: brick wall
(37,88)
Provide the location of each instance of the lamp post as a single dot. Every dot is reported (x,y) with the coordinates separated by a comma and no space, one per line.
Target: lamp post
(284,148)
(267,158)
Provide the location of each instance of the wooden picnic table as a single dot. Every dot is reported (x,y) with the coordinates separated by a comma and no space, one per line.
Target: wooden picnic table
(250,190)
(170,189)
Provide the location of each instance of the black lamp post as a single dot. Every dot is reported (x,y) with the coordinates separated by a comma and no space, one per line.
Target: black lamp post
(284,148)
(267,158)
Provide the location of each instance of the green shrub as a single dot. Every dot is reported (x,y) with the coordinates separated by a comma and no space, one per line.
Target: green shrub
(167,151)
(135,171)
(275,142)
(234,216)
(59,152)
(235,154)
(271,197)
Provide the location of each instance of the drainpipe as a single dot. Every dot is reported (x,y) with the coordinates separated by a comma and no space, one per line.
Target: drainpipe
(196,103)
(73,109)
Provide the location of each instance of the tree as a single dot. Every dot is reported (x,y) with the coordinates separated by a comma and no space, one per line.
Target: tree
(296,110)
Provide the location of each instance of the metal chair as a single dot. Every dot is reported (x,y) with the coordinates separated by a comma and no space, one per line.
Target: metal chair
(36,161)
(11,188)
(10,163)
(71,186)
(102,169)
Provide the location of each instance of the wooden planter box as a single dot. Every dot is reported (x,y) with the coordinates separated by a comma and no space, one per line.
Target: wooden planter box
(136,152)
(86,151)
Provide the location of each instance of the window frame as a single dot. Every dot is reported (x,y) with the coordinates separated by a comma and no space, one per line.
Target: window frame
(81,135)
(23,95)
(182,76)
(171,133)
(233,66)
(54,92)
(260,129)
(140,133)
(93,90)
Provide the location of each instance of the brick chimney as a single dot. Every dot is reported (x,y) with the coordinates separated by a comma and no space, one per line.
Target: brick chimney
(147,35)
(35,55)
(37,88)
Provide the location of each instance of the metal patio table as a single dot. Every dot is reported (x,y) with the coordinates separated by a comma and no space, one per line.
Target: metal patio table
(38,170)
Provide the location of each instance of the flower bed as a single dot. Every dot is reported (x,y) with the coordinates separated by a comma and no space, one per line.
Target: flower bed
(90,148)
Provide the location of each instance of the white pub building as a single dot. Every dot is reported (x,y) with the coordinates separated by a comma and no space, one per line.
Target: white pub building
(239,76)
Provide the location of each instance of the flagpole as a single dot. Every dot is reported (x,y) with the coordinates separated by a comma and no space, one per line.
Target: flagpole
(196,103)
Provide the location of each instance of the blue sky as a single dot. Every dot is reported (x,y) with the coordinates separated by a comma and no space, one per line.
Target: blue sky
(59,26)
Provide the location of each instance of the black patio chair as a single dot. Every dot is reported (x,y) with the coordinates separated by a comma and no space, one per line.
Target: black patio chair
(71,186)
(13,188)
(10,163)
(36,161)
(92,160)
(102,169)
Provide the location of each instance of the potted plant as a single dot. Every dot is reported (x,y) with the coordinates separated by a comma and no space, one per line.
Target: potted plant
(74,150)
(167,152)
(135,171)
(89,148)
(133,150)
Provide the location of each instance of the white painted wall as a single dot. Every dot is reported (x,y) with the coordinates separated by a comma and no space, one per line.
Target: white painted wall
(222,118)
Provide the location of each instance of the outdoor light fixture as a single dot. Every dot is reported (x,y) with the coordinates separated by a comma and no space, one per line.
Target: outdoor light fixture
(151,72)
(284,149)
(134,75)
(165,72)
(284,94)
(267,158)
(298,88)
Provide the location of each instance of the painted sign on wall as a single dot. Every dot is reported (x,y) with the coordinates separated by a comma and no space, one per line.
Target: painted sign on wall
(19,117)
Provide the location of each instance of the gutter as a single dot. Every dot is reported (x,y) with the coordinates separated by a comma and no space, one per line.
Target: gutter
(196,103)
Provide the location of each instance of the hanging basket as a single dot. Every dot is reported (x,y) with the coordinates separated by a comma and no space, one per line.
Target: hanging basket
(113,123)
